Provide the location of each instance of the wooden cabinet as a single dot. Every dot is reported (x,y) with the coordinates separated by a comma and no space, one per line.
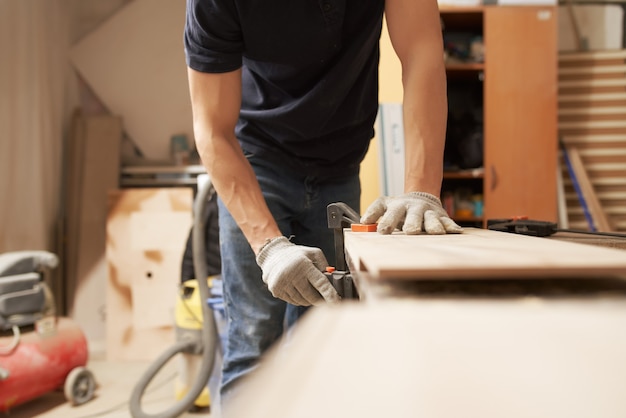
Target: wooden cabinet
(518,118)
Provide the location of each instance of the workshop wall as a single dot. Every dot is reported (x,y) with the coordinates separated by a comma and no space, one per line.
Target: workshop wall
(33,72)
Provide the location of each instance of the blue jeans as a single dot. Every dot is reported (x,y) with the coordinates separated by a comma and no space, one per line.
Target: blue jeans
(255,317)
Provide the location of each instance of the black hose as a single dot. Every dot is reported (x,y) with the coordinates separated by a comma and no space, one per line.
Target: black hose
(209,327)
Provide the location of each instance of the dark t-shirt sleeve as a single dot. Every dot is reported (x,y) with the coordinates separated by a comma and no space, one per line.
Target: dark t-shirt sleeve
(212,37)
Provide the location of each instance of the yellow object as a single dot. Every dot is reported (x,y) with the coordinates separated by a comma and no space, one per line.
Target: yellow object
(188,316)
(188,310)
(190,363)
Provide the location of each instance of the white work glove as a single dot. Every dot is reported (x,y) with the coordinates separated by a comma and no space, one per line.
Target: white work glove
(414,212)
(293,273)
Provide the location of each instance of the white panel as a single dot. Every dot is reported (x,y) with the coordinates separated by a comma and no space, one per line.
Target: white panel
(601,27)
(392,148)
(135,63)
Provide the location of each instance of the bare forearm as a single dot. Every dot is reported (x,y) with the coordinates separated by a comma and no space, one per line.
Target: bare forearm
(425,116)
(215,102)
(237,186)
(415,32)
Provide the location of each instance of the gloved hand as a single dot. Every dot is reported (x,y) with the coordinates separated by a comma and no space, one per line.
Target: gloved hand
(293,273)
(414,212)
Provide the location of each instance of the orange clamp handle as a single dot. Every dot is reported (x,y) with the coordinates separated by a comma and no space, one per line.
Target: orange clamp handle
(363,227)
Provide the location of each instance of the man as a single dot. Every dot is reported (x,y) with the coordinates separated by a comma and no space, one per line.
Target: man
(284,96)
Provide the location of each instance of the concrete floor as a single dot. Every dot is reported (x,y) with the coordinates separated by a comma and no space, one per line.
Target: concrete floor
(116,381)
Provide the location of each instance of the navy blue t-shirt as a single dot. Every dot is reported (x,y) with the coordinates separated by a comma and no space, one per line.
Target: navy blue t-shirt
(309,75)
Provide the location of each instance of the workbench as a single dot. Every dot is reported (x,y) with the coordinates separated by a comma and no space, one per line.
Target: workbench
(482,324)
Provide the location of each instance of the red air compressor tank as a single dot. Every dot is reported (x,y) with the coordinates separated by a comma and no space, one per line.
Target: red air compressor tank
(38,360)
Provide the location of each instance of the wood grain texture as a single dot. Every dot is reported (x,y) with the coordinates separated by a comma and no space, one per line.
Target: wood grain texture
(476,254)
(446,359)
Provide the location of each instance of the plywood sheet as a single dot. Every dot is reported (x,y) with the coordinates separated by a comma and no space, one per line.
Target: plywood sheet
(135,63)
(142,279)
(447,359)
(476,253)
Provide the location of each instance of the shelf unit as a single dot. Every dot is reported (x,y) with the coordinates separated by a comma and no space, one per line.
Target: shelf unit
(463,179)
(513,96)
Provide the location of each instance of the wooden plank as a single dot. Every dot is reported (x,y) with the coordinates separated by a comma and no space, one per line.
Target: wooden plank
(604,152)
(476,253)
(612,195)
(446,359)
(620,210)
(591,69)
(592,83)
(577,139)
(592,55)
(607,169)
(599,217)
(597,124)
(591,97)
(612,181)
(617,111)
(607,69)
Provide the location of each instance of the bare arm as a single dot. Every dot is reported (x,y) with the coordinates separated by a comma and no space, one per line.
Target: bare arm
(216,101)
(415,32)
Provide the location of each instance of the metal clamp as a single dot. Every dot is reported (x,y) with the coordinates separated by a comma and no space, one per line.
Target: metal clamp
(341,216)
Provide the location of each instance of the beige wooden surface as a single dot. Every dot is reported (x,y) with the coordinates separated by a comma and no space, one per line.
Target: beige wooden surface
(476,253)
(443,359)
(147,229)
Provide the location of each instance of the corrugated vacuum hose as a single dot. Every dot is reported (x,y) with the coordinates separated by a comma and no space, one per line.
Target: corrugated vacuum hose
(209,336)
